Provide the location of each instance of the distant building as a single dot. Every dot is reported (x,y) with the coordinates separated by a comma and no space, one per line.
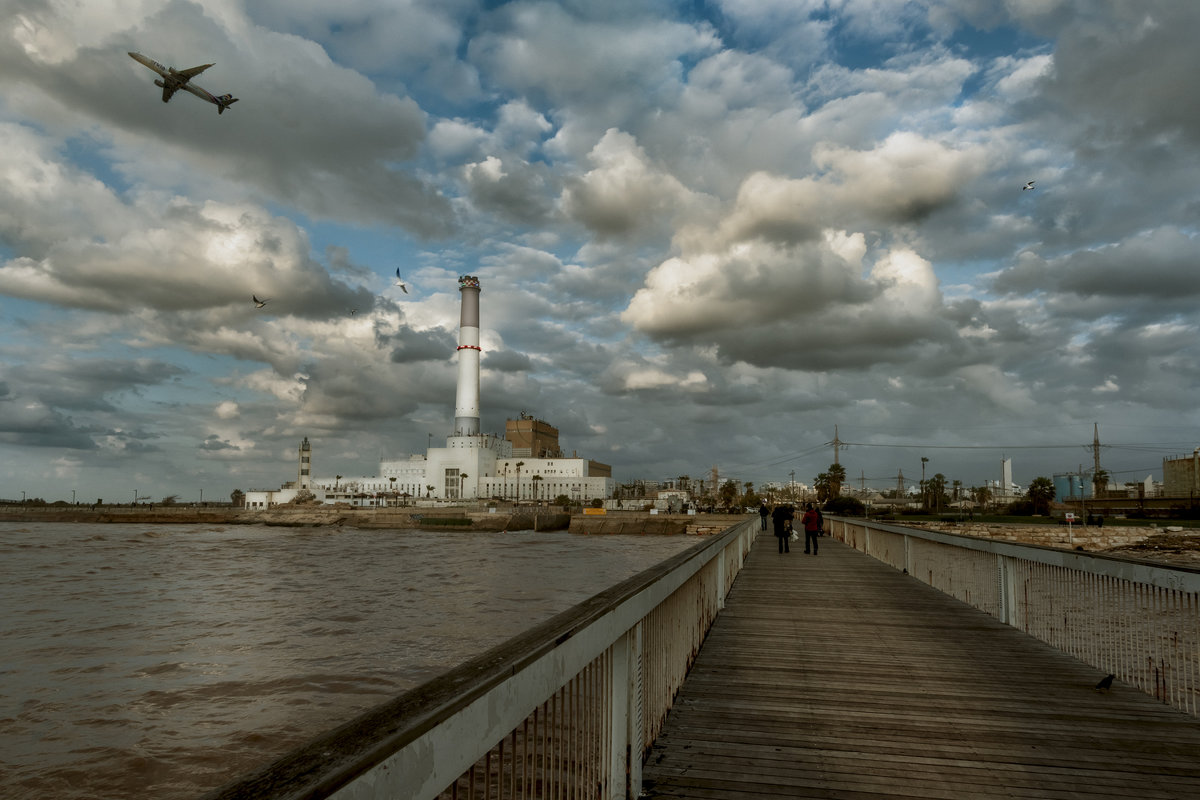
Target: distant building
(532,438)
(1071,484)
(1181,476)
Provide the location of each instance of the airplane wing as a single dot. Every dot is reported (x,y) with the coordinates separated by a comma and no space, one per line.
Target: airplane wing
(188,74)
(168,90)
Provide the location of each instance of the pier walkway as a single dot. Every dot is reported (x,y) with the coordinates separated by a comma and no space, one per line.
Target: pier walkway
(837,676)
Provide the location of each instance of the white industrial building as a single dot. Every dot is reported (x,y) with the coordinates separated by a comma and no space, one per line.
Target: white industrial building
(472,465)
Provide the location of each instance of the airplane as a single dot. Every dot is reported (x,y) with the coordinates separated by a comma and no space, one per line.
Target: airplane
(175,79)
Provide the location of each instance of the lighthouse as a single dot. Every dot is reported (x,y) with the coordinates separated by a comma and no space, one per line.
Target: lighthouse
(466,403)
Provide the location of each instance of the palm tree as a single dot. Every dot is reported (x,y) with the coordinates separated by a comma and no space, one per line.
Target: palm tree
(393,480)
(462,485)
(428,490)
(924,493)
(519,464)
(536,482)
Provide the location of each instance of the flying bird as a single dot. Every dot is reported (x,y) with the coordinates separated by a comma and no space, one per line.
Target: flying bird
(258,303)
(1027,187)
(353,311)
(1105,683)
(400,281)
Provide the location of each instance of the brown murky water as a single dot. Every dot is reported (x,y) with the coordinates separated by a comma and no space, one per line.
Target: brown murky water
(162,661)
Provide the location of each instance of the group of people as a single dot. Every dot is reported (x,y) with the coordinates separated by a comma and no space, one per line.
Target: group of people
(781,519)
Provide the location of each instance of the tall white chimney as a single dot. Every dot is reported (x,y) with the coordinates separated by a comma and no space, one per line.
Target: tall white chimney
(466,402)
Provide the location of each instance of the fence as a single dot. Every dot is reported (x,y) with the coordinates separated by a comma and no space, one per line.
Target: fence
(566,710)
(1136,620)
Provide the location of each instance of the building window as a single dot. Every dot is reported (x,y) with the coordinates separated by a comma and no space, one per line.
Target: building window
(452,483)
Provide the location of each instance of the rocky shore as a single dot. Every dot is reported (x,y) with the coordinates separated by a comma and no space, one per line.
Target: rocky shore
(1167,544)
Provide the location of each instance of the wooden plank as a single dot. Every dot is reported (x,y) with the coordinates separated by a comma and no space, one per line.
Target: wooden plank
(836,676)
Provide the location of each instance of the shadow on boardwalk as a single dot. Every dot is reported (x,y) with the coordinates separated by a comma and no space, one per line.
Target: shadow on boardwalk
(836,676)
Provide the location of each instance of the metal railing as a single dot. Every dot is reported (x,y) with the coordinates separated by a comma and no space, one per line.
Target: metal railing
(566,710)
(1133,619)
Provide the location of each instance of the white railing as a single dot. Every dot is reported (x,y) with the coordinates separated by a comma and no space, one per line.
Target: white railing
(1133,619)
(566,710)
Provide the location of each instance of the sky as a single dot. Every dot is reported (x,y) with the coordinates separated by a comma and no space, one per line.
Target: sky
(707,232)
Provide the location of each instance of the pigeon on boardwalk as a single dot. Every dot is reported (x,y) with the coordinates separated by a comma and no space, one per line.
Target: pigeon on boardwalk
(400,282)
(258,303)
(1105,683)
(1027,186)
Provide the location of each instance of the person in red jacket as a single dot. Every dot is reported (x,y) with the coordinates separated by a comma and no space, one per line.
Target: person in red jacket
(812,527)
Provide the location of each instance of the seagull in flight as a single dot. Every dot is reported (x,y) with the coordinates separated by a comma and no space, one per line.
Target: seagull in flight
(400,281)
(1027,187)
(258,303)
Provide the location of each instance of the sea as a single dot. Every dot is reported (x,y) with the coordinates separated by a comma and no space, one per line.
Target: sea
(163,661)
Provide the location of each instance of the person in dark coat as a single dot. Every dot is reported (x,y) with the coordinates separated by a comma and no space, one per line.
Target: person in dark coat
(780,517)
(763,513)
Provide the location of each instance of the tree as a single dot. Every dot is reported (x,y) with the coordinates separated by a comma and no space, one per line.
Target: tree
(238,498)
(1100,483)
(462,485)
(728,494)
(536,480)
(519,464)
(1040,494)
(823,483)
(428,490)
(837,477)
(750,498)
(846,507)
(981,495)
(936,489)
(924,489)
(562,500)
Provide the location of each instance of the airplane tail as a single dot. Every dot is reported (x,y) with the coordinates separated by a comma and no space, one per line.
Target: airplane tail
(224,102)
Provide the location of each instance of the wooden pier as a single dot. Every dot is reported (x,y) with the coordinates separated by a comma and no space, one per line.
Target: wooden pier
(837,676)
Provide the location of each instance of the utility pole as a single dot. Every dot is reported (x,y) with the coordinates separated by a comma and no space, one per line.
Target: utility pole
(837,444)
(792,485)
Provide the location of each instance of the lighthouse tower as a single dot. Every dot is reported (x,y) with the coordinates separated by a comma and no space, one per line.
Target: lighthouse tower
(466,404)
(304,477)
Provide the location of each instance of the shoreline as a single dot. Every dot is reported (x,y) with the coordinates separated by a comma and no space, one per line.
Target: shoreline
(441,518)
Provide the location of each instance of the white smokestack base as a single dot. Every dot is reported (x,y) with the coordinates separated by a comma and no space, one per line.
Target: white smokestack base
(466,402)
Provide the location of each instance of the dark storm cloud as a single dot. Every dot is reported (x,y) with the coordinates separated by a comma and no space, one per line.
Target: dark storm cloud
(507,361)
(80,384)
(214,444)
(31,424)
(409,346)
(1158,266)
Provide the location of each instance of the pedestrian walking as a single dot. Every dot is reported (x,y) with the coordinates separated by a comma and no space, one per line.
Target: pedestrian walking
(780,517)
(763,513)
(812,526)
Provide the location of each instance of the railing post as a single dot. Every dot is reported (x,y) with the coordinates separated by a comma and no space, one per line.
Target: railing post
(1008,590)
(720,559)
(625,723)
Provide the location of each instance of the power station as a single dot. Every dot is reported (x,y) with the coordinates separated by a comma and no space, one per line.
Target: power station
(525,464)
